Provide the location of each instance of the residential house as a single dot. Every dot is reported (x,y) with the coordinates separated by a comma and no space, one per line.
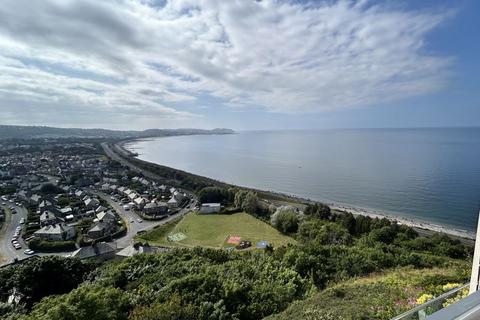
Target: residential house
(56,232)
(99,251)
(91,203)
(154,209)
(48,218)
(172,203)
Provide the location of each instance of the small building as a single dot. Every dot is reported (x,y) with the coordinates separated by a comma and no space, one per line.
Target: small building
(210,208)
(136,249)
(57,232)
(99,251)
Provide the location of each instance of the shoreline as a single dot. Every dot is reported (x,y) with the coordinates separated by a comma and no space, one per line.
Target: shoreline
(414,223)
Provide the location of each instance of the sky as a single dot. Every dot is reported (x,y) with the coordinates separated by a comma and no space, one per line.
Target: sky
(240,64)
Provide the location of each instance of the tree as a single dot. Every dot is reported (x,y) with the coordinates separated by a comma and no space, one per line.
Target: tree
(215,194)
(49,188)
(93,302)
(250,203)
(286,221)
(318,210)
(38,278)
(170,310)
(240,197)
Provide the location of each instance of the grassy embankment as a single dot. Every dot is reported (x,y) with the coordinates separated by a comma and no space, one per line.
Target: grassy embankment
(378,296)
(212,231)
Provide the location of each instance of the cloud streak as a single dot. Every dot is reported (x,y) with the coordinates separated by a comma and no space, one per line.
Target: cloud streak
(146,58)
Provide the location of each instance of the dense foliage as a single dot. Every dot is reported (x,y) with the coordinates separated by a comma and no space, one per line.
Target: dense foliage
(216,194)
(334,247)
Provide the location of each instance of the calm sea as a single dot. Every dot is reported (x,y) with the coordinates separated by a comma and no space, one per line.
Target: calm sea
(428,174)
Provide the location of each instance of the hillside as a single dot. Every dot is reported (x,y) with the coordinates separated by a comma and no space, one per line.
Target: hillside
(379,296)
(25,132)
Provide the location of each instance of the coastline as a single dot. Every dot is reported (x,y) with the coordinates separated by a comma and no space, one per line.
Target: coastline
(414,223)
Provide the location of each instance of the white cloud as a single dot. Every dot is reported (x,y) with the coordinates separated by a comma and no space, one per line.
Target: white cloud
(146,58)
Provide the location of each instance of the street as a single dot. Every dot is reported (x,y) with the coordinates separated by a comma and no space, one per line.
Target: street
(134,227)
(8,252)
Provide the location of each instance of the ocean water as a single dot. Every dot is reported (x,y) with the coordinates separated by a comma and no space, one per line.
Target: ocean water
(431,175)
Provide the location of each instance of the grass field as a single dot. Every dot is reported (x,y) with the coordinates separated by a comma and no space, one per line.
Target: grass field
(212,230)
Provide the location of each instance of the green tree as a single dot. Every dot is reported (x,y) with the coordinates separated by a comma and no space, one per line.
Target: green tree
(91,302)
(250,203)
(286,221)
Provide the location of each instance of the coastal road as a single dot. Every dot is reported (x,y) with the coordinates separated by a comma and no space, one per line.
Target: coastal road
(131,219)
(115,156)
(8,252)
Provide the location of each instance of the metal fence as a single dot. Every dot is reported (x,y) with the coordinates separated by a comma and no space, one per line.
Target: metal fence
(422,311)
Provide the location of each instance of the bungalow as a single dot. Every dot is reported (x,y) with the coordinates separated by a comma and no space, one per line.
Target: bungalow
(57,232)
(136,249)
(99,251)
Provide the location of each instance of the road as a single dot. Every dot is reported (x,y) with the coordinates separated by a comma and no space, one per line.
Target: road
(131,219)
(8,252)
(114,156)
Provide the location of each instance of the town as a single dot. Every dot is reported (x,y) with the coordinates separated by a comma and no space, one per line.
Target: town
(68,198)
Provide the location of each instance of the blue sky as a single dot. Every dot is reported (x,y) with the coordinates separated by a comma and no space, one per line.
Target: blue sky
(240,64)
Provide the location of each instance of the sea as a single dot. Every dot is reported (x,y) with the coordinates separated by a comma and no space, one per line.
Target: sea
(430,175)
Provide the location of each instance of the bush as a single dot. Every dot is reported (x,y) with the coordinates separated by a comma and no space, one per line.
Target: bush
(41,245)
(286,221)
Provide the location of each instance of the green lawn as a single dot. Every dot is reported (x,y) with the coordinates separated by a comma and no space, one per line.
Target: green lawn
(212,230)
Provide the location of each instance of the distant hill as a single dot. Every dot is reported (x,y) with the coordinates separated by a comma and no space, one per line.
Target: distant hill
(25,132)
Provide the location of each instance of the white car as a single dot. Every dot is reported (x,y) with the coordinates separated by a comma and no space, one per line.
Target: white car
(22,221)
(139,220)
(29,252)
(17,246)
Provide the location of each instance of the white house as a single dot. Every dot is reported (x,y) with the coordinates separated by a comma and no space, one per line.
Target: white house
(210,208)
(57,232)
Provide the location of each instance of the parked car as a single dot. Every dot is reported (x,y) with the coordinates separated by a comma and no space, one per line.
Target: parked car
(22,221)
(29,252)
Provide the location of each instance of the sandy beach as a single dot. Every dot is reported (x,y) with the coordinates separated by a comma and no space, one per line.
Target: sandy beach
(406,221)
